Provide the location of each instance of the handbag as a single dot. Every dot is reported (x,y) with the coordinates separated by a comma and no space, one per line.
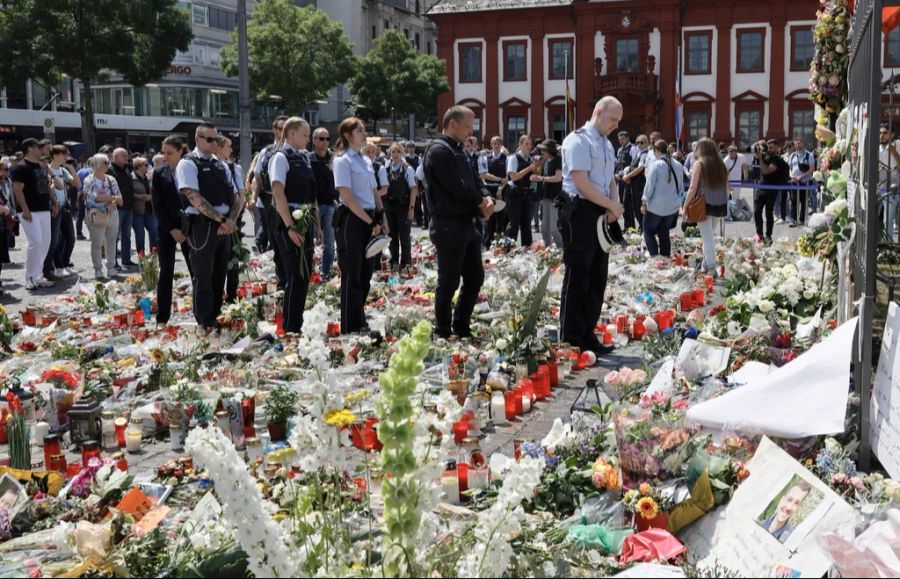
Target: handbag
(101,218)
(695,209)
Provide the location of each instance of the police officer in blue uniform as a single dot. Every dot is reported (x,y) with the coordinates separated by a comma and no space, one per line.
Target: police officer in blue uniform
(292,178)
(211,219)
(589,162)
(519,168)
(358,219)
(264,192)
(457,204)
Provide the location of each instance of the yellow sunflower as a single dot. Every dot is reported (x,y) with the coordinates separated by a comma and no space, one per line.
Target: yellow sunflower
(157,355)
(648,508)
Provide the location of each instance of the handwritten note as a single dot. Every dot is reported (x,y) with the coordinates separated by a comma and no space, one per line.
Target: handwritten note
(886,397)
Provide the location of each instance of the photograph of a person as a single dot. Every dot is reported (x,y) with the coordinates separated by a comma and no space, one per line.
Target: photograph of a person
(789,508)
(12,495)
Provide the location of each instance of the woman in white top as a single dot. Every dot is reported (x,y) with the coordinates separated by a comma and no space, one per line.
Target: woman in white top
(102,198)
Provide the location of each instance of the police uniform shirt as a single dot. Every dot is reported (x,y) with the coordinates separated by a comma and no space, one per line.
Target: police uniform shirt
(409,174)
(279,167)
(588,150)
(513,166)
(381,179)
(420,173)
(646,159)
(186,178)
(352,170)
(238,177)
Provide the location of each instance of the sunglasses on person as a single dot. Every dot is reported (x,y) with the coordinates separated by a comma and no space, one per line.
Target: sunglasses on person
(209,139)
(323,138)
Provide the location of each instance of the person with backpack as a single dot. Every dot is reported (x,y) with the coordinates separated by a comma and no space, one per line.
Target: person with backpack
(102,200)
(519,168)
(399,207)
(709,179)
(803,165)
(661,200)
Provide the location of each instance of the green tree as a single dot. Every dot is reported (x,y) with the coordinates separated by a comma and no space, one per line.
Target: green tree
(88,40)
(296,53)
(393,81)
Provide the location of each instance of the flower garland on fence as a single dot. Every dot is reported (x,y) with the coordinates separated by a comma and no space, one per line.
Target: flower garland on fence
(828,71)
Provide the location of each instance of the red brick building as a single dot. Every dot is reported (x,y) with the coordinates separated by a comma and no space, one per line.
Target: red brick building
(744,64)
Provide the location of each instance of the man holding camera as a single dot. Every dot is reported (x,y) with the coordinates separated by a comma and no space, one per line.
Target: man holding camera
(775,172)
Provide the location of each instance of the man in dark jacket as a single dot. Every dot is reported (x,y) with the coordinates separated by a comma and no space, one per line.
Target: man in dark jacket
(121,172)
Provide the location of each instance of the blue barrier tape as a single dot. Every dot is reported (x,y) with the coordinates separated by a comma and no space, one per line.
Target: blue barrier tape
(750,185)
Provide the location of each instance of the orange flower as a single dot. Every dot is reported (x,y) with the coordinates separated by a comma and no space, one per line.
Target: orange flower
(612,480)
(743,474)
(648,508)
(645,489)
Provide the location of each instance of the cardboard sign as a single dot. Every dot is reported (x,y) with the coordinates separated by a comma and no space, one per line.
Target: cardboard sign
(136,504)
(886,397)
(774,523)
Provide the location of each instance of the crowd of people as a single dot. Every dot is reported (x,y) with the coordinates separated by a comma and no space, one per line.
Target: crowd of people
(345,196)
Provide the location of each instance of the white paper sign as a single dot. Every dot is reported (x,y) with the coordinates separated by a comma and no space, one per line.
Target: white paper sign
(886,397)
(807,397)
(773,525)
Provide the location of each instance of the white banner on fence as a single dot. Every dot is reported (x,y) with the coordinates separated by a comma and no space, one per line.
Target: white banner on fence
(886,398)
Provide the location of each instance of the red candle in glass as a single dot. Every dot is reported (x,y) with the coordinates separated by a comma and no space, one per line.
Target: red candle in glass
(121,425)
(638,330)
(462,471)
(509,397)
(370,435)
(554,372)
(51,449)
(538,386)
(687,301)
(699,298)
(600,328)
(709,283)
(248,410)
(72,469)
(139,317)
(544,374)
(58,463)
(607,339)
(520,408)
(528,387)
(334,329)
(89,449)
(279,320)
(460,430)
(621,323)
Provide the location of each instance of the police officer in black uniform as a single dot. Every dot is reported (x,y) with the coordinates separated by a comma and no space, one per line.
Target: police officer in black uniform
(264,192)
(293,182)
(414,160)
(169,206)
(237,177)
(492,170)
(519,168)
(456,204)
(211,219)
(399,206)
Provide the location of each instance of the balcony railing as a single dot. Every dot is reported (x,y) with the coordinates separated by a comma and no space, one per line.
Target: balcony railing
(626,82)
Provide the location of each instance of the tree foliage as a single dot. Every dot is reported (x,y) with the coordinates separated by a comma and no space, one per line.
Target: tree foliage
(296,53)
(88,39)
(393,80)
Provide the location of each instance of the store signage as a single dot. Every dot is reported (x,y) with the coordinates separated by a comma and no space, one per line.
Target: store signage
(180,69)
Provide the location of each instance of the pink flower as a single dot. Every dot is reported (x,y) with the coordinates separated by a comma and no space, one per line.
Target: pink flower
(612,379)
(858,484)
(639,376)
(599,479)
(681,404)
(645,402)
(840,479)
(627,375)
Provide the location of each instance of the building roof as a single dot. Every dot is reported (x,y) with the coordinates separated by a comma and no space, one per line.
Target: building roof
(458,6)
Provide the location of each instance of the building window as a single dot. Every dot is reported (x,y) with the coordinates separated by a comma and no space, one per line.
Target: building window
(418,41)
(515,128)
(514,60)
(561,59)
(803,124)
(699,53)
(803,48)
(892,48)
(627,55)
(222,19)
(557,124)
(470,62)
(749,125)
(418,8)
(751,51)
(406,33)
(697,123)
(387,25)
(374,32)
(199,15)
(428,46)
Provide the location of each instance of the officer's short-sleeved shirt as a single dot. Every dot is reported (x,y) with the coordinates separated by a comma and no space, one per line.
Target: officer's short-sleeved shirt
(279,165)
(381,180)
(409,174)
(646,160)
(186,178)
(588,150)
(420,173)
(351,171)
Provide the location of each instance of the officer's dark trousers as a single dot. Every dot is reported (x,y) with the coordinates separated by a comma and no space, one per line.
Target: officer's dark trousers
(296,285)
(518,211)
(458,246)
(166,254)
(272,220)
(400,232)
(356,271)
(584,284)
(210,253)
